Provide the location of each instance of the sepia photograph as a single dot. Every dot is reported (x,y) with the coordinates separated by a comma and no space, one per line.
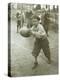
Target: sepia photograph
(33,39)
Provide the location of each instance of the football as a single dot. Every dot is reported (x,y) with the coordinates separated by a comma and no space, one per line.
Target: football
(25,32)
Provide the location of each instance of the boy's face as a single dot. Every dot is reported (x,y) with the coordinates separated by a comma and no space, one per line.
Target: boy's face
(35,22)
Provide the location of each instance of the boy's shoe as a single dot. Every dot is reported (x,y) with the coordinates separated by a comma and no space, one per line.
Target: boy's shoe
(49,61)
(35,65)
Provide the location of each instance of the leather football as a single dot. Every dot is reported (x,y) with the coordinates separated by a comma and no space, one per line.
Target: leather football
(25,32)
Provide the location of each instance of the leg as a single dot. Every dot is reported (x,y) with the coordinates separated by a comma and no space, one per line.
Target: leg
(46,29)
(35,52)
(35,63)
(36,59)
(17,28)
(47,54)
(46,50)
(47,32)
(18,25)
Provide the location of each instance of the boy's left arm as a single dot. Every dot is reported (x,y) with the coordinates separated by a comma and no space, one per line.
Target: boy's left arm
(40,33)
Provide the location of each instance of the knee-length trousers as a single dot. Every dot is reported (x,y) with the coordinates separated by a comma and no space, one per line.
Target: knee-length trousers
(41,44)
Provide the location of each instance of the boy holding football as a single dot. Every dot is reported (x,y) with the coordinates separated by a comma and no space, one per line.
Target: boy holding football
(41,41)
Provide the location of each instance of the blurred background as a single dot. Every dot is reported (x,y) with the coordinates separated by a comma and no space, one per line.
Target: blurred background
(36,9)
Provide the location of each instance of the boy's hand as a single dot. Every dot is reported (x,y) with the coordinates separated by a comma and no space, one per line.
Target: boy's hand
(33,33)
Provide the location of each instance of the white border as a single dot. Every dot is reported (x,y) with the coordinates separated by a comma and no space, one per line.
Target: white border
(4,39)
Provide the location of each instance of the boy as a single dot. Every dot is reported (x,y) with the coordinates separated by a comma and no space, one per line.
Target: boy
(18,15)
(41,41)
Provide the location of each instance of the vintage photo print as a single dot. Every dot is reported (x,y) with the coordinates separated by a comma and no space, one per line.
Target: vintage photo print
(33,46)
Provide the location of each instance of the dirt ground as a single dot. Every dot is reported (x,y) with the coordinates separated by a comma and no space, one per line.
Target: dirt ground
(22,59)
